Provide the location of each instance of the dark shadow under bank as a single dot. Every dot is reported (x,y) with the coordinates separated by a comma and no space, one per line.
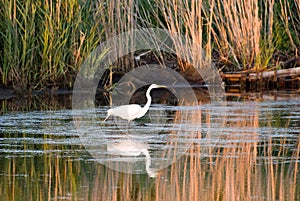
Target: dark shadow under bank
(63,99)
(284,77)
(244,85)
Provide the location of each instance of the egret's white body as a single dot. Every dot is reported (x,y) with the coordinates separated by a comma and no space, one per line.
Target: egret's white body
(132,111)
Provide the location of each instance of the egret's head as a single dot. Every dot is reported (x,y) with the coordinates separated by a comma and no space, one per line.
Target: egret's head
(153,86)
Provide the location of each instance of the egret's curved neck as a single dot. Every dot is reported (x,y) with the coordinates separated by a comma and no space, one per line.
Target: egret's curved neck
(144,110)
(149,99)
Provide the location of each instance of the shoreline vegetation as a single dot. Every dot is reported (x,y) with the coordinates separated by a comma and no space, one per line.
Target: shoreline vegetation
(43,43)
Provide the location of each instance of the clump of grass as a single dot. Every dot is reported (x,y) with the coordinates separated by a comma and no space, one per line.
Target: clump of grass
(45,42)
(290,20)
(237,32)
(189,28)
(245,34)
(119,17)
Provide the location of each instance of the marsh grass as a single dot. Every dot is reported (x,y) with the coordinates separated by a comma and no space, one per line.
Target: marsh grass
(244,34)
(44,43)
(118,17)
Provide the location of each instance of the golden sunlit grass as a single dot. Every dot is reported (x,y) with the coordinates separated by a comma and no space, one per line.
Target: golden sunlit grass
(245,34)
(44,43)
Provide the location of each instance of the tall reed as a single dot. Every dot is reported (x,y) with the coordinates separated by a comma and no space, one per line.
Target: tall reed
(244,34)
(237,31)
(186,19)
(290,17)
(119,18)
(44,42)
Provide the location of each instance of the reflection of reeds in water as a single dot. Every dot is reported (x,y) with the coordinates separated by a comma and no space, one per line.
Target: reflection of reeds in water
(239,169)
(44,102)
(241,166)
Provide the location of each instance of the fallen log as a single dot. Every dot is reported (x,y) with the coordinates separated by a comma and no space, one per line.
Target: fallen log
(253,81)
(275,74)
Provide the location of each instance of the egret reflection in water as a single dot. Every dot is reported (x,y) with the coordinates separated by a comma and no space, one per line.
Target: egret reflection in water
(132,148)
(145,148)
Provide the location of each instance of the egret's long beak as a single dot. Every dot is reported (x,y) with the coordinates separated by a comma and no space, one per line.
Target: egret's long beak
(105,119)
(162,86)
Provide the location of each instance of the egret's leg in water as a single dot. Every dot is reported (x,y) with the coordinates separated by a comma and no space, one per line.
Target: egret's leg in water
(128,125)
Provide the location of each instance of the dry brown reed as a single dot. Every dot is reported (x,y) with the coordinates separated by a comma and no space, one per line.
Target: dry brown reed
(119,18)
(245,34)
(237,31)
(290,16)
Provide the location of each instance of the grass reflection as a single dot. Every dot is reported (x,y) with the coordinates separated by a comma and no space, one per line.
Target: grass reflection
(247,162)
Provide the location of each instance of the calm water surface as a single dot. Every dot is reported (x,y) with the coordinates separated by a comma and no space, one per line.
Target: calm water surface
(241,150)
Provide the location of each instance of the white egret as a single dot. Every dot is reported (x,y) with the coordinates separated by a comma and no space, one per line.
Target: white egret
(132,111)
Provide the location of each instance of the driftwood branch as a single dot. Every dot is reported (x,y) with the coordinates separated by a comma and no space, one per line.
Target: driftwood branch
(264,75)
(251,81)
(275,74)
